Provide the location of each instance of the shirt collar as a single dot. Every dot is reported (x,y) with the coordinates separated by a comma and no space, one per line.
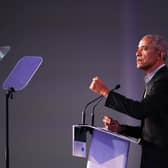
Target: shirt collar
(148,77)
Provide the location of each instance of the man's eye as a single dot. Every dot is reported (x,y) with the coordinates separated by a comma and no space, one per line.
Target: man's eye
(145,48)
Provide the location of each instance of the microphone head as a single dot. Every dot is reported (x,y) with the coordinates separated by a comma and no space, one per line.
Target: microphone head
(117,87)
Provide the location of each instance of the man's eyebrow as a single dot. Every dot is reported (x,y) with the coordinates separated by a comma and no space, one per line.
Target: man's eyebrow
(142,46)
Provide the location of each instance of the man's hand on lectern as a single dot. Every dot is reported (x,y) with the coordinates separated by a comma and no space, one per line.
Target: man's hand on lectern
(111,125)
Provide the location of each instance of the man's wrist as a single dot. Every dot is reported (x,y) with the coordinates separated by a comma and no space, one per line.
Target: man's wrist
(121,129)
(105,92)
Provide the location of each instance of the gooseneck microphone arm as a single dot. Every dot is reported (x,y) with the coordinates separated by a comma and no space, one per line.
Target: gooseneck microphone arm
(92,101)
(84,111)
(92,113)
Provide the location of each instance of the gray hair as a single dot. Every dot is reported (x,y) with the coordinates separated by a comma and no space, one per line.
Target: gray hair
(159,41)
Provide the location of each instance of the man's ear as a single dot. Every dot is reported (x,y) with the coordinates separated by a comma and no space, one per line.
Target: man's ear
(163,55)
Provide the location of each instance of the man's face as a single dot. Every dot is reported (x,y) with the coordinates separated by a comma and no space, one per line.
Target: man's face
(147,55)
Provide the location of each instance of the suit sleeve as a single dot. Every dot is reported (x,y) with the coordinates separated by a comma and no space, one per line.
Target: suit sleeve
(125,105)
(131,131)
(151,105)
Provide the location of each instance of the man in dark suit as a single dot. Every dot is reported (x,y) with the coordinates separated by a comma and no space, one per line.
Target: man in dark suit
(152,110)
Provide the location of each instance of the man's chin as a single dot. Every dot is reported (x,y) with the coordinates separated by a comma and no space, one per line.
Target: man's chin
(140,67)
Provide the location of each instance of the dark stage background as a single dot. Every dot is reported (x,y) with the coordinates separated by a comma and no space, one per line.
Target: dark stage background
(78,39)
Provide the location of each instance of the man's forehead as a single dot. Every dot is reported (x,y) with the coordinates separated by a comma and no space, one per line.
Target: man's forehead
(145,41)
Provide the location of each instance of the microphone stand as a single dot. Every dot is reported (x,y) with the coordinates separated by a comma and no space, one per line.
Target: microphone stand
(84,111)
(92,101)
(92,113)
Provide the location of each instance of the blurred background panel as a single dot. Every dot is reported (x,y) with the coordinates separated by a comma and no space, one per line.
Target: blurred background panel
(78,39)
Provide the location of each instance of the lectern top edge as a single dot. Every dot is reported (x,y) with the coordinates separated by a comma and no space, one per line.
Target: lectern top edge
(101,129)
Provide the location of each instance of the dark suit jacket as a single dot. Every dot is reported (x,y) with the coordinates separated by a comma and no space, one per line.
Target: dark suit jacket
(152,110)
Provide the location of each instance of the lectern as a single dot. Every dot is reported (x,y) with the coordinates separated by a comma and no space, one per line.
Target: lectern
(106,150)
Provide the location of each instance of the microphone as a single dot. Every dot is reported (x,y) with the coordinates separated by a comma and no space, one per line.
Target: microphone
(84,111)
(92,101)
(92,113)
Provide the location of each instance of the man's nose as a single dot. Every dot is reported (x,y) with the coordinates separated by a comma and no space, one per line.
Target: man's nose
(138,53)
